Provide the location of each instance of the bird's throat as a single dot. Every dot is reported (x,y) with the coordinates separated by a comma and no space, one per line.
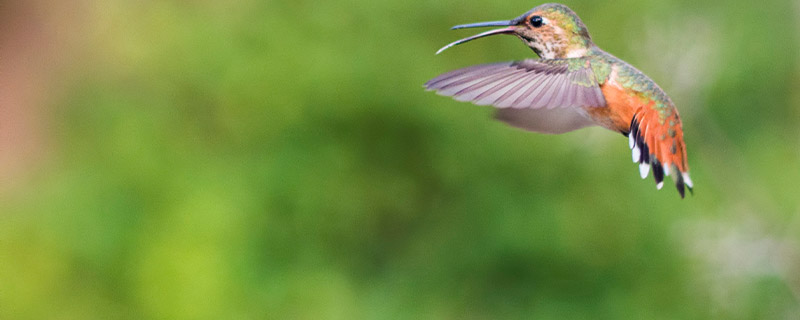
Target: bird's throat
(555,50)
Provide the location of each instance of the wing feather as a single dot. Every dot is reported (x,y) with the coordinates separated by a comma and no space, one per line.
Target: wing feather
(536,92)
(508,98)
(557,100)
(531,83)
(466,79)
(471,92)
(549,92)
(498,89)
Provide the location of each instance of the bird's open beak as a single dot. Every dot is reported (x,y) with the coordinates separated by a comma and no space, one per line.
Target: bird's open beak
(508,30)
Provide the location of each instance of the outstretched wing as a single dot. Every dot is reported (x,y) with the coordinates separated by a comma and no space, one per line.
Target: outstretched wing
(531,83)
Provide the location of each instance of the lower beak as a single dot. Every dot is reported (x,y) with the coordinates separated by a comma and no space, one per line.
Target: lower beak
(508,30)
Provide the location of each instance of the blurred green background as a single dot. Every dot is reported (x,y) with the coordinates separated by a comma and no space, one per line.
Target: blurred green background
(281,160)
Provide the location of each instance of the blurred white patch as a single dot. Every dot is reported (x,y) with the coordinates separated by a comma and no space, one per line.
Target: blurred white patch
(687,180)
(636,154)
(576,53)
(644,169)
(631,141)
(734,253)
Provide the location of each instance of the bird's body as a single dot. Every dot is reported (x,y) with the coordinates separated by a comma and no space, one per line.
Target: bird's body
(575,84)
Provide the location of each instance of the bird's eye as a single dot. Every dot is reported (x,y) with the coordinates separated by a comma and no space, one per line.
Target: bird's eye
(537,21)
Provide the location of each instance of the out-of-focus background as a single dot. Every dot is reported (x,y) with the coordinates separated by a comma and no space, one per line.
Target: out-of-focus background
(281,160)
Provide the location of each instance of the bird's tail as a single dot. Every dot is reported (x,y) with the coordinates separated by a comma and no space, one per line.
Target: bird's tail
(656,142)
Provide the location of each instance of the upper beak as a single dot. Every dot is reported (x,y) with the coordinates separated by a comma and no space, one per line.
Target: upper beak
(508,30)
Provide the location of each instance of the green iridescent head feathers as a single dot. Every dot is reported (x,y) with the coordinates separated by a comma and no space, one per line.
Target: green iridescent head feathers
(567,18)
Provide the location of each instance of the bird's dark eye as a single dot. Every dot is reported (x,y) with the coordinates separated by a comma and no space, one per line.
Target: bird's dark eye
(536,21)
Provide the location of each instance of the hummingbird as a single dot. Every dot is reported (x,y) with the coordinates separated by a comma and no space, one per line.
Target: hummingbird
(574,84)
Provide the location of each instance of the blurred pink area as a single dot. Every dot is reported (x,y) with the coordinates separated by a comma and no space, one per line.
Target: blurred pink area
(36,40)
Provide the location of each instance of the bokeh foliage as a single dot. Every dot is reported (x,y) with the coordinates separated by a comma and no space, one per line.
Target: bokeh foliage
(280,160)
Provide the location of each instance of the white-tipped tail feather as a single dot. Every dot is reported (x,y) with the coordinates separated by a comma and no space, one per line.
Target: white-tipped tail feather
(644,169)
(687,180)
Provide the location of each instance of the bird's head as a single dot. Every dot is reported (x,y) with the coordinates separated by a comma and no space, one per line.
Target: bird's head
(552,30)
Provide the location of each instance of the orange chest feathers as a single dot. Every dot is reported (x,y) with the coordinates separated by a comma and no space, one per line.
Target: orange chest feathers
(620,107)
